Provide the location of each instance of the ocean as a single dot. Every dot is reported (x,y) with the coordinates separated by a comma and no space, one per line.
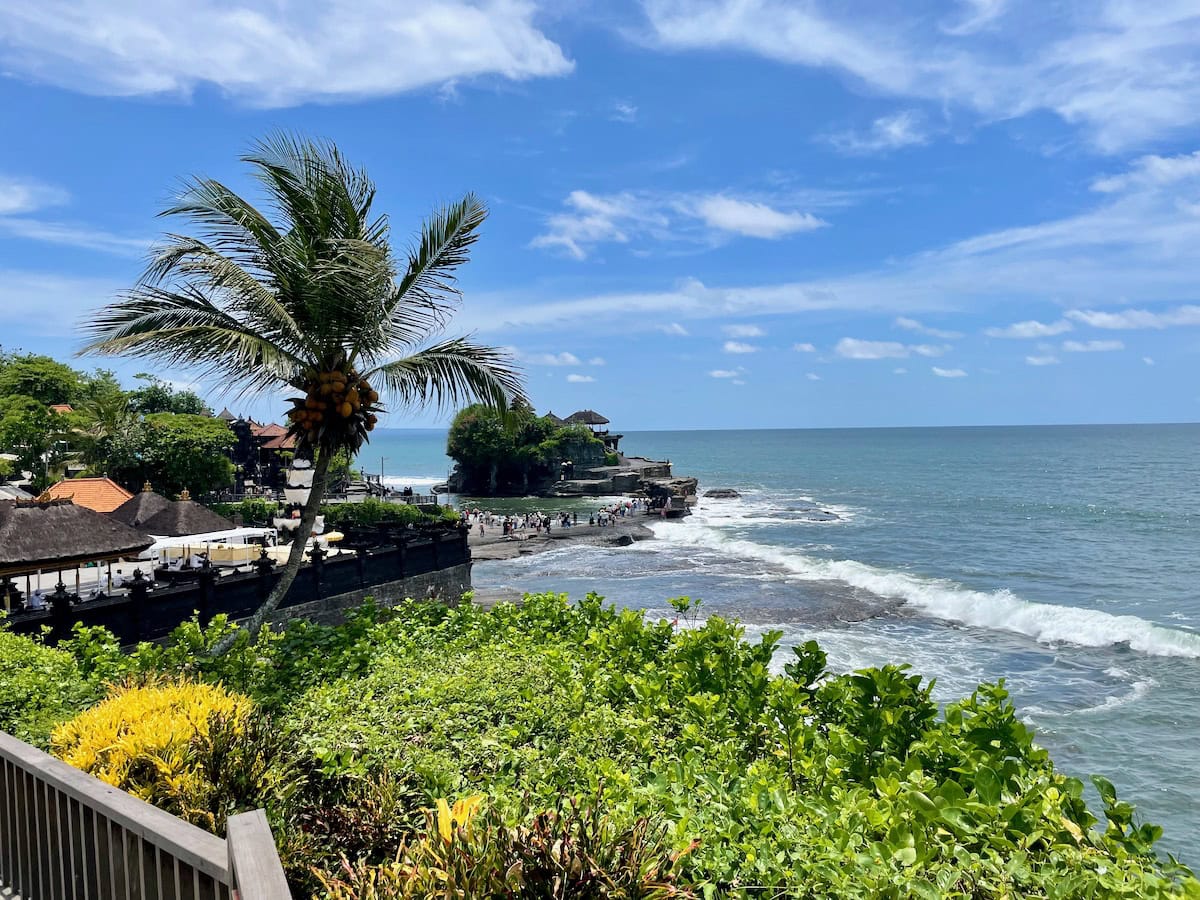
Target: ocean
(1064,560)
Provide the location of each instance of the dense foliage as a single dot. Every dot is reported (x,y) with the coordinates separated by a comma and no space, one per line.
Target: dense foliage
(363,513)
(688,752)
(512,452)
(154,432)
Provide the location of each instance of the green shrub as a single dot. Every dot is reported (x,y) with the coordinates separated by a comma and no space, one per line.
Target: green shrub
(611,459)
(253,510)
(40,687)
(565,852)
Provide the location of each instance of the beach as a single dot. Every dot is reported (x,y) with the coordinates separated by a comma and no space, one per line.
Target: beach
(494,545)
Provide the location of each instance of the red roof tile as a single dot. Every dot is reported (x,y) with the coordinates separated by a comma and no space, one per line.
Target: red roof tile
(99,494)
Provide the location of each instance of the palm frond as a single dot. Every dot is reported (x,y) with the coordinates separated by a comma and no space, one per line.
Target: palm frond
(424,296)
(451,373)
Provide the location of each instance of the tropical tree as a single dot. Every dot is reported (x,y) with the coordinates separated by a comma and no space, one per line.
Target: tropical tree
(308,295)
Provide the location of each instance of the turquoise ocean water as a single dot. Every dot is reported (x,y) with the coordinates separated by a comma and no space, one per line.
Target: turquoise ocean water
(1065,560)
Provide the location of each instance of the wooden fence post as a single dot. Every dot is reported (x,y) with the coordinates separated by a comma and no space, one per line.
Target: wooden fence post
(254,867)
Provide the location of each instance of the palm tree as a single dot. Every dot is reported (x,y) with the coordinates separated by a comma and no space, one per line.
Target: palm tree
(309,297)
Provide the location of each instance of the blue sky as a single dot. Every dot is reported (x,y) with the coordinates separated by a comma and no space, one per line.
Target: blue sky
(724,213)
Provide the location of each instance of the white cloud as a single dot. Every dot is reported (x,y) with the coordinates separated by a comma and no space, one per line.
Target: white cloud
(550,359)
(853,348)
(743,331)
(1130,319)
(1148,360)
(903,129)
(270,53)
(1123,72)
(929,350)
(979,15)
(674,329)
(1092,346)
(752,219)
(724,373)
(1029,330)
(80,236)
(24,195)
(1134,246)
(593,219)
(1152,172)
(949,373)
(737,381)
(812,376)
(1047,360)
(580,379)
(597,361)
(804,348)
(913,325)
(739,347)
(624,112)
(899,370)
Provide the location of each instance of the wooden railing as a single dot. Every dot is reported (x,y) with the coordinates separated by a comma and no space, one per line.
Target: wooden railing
(66,835)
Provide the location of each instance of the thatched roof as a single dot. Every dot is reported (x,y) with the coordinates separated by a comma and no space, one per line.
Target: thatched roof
(586,417)
(140,508)
(185,517)
(58,534)
(226,416)
(555,420)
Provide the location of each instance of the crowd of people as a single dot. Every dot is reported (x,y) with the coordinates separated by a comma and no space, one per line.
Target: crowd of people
(484,522)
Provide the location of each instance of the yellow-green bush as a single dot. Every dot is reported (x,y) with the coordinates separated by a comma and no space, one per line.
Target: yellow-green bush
(196,750)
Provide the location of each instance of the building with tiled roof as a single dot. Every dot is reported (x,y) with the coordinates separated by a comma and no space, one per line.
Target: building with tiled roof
(62,408)
(102,495)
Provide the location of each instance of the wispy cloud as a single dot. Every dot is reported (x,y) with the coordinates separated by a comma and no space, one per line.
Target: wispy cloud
(949,373)
(624,112)
(597,361)
(273,54)
(725,373)
(674,329)
(1046,360)
(576,378)
(812,376)
(913,325)
(804,347)
(854,348)
(24,195)
(1131,319)
(81,236)
(739,347)
(591,219)
(1123,73)
(1092,346)
(743,331)
(1029,330)
(550,359)
(903,129)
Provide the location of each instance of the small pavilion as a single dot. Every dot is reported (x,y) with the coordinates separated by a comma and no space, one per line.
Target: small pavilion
(596,422)
(58,536)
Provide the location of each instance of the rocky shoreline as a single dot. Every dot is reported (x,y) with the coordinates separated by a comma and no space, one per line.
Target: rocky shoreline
(624,531)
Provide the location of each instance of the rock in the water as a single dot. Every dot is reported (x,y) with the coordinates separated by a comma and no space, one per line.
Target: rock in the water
(623,540)
(722,494)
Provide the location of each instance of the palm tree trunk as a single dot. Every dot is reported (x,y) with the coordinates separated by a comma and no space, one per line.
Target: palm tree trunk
(291,568)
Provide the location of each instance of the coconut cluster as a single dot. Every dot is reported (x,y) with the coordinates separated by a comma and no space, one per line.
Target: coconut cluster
(338,409)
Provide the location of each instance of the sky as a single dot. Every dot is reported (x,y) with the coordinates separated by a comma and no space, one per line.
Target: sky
(703,213)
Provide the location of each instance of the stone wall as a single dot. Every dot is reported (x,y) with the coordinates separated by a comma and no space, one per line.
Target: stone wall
(447,585)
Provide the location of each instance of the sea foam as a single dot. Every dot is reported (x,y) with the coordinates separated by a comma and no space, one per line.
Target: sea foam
(1000,610)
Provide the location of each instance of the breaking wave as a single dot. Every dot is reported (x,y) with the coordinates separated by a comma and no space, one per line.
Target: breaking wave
(996,610)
